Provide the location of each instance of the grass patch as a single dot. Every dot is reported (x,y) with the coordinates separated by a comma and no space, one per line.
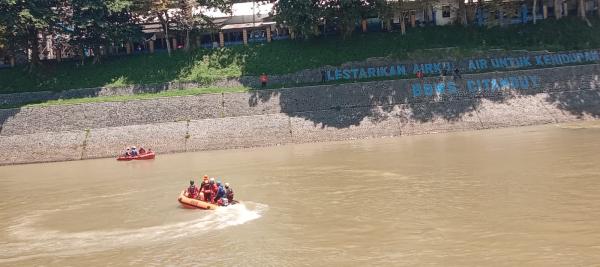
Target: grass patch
(146,96)
(287,56)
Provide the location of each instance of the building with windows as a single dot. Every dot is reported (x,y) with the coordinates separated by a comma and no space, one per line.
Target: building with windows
(252,22)
(246,23)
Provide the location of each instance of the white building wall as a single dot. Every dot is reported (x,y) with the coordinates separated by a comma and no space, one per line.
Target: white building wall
(439,14)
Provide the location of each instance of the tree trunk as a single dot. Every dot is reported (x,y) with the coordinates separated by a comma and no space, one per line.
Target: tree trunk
(165,22)
(534,11)
(557,9)
(187,40)
(81,55)
(35,46)
(581,8)
(462,10)
(96,51)
(402,25)
(316,31)
(58,54)
(501,15)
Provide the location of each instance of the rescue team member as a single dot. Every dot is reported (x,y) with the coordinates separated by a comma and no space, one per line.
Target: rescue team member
(211,192)
(192,190)
(134,151)
(229,193)
(215,189)
(220,192)
(204,181)
(208,192)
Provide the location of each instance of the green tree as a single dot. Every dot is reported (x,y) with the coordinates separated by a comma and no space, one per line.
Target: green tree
(98,22)
(122,21)
(403,8)
(346,13)
(189,18)
(23,22)
(300,16)
(161,11)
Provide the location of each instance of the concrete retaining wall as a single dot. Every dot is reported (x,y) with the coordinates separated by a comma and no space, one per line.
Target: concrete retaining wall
(311,114)
(292,102)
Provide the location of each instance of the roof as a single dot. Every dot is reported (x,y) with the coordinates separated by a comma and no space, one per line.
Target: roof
(238,9)
(243,15)
(246,25)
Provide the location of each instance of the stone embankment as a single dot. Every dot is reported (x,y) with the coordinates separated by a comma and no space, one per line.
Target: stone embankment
(299,115)
(499,60)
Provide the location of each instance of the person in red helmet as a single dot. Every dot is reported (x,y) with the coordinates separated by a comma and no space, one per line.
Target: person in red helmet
(202,184)
(214,188)
(204,181)
(208,192)
(192,190)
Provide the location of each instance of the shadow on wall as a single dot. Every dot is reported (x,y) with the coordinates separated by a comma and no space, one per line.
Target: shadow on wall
(578,103)
(429,101)
(5,114)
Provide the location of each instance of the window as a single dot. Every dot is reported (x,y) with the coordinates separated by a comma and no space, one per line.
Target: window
(445,11)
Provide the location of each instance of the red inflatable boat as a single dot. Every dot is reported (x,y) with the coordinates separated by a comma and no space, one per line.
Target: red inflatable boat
(148,155)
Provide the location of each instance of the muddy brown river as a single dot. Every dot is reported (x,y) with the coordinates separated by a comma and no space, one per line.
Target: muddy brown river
(510,197)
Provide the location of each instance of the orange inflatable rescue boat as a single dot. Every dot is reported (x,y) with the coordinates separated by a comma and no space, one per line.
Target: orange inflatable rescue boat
(187,202)
(147,155)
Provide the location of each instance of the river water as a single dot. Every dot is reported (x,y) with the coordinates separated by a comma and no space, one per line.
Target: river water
(510,197)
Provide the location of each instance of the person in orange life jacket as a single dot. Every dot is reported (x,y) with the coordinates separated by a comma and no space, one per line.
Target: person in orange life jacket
(142,150)
(220,191)
(214,188)
(263,80)
(207,191)
(420,76)
(204,182)
(229,193)
(192,190)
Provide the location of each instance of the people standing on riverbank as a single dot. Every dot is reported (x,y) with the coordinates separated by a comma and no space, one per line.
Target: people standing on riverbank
(457,74)
(263,80)
(420,76)
(443,73)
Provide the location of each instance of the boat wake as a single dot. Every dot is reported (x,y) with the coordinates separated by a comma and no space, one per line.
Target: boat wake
(31,242)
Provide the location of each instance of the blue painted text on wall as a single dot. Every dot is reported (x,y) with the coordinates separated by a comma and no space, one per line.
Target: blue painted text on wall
(477,86)
(471,65)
